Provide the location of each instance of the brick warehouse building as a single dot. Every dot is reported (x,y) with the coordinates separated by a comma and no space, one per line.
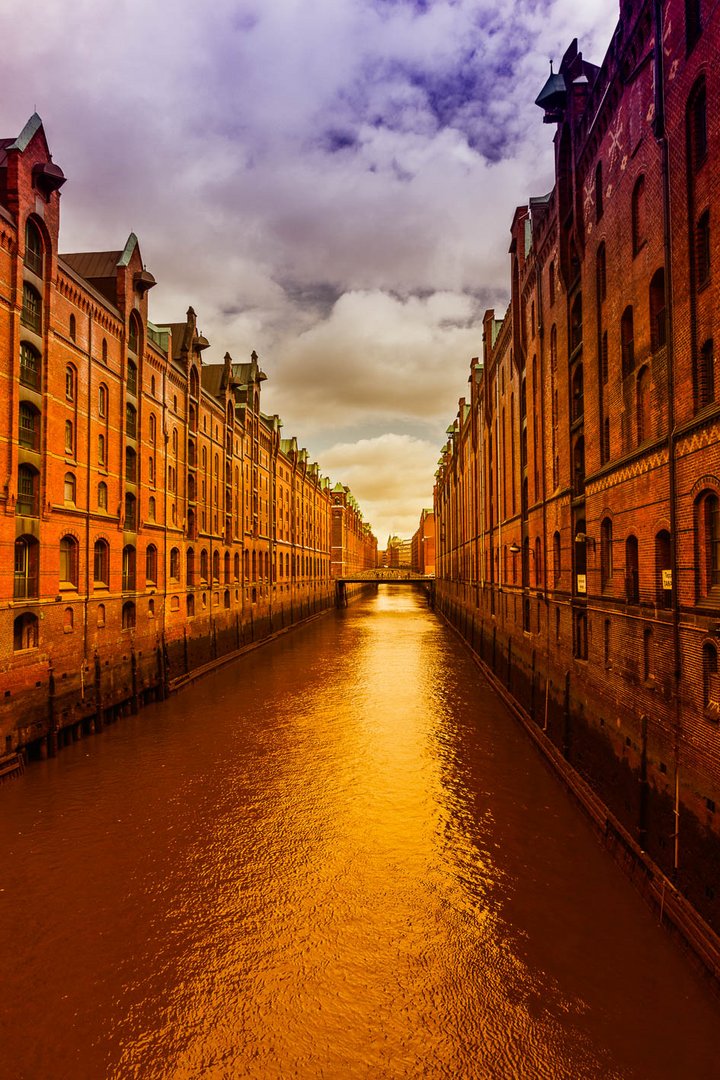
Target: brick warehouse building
(152,518)
(578,496)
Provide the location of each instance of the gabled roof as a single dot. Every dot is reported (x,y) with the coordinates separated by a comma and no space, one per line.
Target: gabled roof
(93,264)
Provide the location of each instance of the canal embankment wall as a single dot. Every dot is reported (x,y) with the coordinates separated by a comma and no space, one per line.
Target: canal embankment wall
(70,692)
(610,764)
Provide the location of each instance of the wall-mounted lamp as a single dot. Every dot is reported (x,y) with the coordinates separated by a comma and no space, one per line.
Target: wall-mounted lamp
(583,538)
(514,549)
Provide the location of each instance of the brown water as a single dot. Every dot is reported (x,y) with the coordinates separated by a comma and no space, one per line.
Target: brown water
(338,858)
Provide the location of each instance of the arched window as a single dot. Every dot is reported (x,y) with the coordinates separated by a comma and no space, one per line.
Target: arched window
(130,465)
(30,366)
(151,508)
(254,566)
(663,574)
(204,565)
(128,568)
(102,400)
(236,566)
(190,566)
(151,564)
(702,249)
(697,125)
(216,565)
(68,620)
(576,327)
(601,274)
(194,382)
(104,351)
(31,314)
(175,563)
(151,608)
(101,563)
(658,333)
(128,615)
(557,567)
(29,426)
(70,383)
(606,562)
(175,441)
(627,340)
(151,471)
(644,417)
(632,570)
(102,495)
(27,566)
(25,632)
(73,328)
(230,413)
(132,378)
(578,395)
(192,417)
(191,494)
(190,605)
(130,512)
(130,421)
(598,191)
(134,334)
(579,466)
(711,683)
(638,215)
(227,567)
(69,438)
(102,459)
(34,248)
(153,429)
(69,487)
(69,561)
(708,542)
(152,385)
(704,376)
(101,615)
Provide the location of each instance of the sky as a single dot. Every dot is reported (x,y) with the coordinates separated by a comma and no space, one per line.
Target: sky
(328,182)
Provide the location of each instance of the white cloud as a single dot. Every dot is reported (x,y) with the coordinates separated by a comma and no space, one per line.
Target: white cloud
(391,476)
(331,183)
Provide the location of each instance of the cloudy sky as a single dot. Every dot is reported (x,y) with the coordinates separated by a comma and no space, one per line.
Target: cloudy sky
(329,182)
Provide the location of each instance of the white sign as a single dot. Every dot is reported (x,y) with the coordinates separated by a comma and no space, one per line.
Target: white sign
(667,579)
(581,583)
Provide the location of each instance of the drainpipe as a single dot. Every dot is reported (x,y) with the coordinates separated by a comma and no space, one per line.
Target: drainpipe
(660,133)
(88,459)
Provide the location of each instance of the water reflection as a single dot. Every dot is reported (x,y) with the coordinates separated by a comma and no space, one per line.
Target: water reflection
(339,858)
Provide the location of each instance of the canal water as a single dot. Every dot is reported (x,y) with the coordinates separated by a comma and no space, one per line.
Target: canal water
(339,857)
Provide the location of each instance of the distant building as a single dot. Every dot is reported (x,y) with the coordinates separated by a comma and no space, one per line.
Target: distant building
(399,553)
(423,544)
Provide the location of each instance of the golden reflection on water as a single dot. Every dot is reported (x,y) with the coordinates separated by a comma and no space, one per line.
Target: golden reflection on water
(351,865)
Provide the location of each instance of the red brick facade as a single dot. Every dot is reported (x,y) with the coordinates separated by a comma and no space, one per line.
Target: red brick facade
(152,519)
(577,499)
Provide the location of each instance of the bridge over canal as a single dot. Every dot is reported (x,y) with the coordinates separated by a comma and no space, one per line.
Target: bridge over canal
(384,576)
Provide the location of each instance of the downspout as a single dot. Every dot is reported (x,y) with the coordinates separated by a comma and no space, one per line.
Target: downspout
(88,459)
(660,133)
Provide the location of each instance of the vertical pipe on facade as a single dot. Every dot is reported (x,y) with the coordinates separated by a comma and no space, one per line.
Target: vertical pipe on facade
(660,133)
(88,459)
(499,469)
(165,492)
(543,489)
